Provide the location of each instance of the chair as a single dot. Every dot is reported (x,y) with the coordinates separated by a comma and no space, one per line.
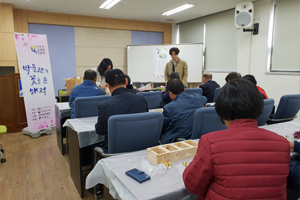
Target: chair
(129,132)
(194,91)
(153,98)
(268,107)
(3,129)
(216,94)
(132,132)
(60,93)
(206,120)
(88,106)
(287,109)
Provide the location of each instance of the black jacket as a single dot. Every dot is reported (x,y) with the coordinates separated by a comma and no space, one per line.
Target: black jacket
(209,90)
(130,89)
(121,102)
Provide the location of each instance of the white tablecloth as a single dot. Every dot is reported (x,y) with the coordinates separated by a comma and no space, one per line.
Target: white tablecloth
(85,127)
(286,129)
(64,109)
(111,172)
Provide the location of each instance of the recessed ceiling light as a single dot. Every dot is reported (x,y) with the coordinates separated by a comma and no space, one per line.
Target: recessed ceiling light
(176,10)
(170,20)
(109,3)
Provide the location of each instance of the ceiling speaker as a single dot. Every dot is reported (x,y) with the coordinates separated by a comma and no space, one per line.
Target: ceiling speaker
(244,15)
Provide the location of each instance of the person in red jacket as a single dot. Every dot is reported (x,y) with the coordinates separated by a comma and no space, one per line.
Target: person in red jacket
(253,80)
(244,161)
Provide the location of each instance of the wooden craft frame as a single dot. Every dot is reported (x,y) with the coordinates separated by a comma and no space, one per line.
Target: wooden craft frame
(172,152)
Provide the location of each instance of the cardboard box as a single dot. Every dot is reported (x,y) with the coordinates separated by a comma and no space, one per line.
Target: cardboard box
(71,82)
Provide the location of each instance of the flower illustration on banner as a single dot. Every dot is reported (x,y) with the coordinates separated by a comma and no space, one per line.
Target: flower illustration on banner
(41,126)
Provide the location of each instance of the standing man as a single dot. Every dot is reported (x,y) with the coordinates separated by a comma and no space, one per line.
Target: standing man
(176,65)
(208,87)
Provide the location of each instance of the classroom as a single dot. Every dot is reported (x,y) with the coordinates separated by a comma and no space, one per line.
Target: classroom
(171,129)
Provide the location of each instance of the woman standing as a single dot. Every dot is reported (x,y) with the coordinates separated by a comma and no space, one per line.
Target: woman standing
(105,65)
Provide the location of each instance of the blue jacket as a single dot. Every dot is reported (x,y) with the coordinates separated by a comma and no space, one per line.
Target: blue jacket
(209,90)
(294,173)
(179,116)
(121,102)
(86,89)
(166,98)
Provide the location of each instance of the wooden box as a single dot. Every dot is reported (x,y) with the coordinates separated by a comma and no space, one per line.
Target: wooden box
(172,152)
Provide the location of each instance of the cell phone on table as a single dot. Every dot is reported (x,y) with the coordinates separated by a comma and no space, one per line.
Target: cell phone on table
(137,175)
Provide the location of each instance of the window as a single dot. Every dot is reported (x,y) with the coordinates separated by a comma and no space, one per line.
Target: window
(285,55)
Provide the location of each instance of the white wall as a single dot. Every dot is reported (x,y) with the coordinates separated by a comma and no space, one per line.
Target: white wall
(274,85)
(174,33)
(252,52)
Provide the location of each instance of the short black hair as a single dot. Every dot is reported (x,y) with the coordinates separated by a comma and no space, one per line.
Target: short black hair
(115,77)
(175,86)
(250,78)
(128,79)
(174,75)
(90,75)
(104,65)
(232,76)
(175,49)
(239,99)
(119,81)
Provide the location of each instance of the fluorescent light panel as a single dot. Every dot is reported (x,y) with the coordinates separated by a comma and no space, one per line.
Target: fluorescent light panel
(176,10)
(109,3)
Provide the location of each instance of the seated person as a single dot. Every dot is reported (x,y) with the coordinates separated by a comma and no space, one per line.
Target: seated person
(244,161)
(86,89)
(208,87)
(253,80)
(294,174)
(165,99)
(179,114)
(121,102)
(232,75)
(129,86)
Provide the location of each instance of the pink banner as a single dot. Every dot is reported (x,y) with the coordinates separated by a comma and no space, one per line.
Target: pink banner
(36,78)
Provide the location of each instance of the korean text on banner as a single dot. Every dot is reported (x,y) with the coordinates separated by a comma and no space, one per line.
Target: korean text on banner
(37,82)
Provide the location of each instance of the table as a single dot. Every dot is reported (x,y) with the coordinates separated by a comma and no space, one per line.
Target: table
(62,113)
(81,139)
(156,110)
(286,129)
(111,172)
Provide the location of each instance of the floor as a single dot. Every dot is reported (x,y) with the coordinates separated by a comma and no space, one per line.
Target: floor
(36,170)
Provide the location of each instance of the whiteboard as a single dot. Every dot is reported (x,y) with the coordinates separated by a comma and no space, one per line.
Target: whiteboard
(141,61)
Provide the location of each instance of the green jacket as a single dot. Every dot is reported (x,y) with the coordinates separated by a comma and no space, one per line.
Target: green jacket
(181,68)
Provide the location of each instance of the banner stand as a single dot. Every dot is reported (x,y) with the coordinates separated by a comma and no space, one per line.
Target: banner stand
(37,83)
(37,133)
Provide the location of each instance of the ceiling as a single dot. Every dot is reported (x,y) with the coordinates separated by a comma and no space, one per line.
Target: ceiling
(145,10)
